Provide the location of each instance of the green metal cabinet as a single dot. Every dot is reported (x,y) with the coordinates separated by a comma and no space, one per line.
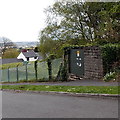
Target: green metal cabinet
(76,62)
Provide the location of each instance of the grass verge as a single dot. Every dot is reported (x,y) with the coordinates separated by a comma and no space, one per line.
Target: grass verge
(73,89)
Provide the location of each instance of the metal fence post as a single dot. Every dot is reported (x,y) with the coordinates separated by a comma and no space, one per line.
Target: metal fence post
(17,73)
(49,63)
(35,66)
(8,75)
(26,72)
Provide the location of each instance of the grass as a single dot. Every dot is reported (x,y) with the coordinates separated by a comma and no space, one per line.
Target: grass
(73,89)
(10,65)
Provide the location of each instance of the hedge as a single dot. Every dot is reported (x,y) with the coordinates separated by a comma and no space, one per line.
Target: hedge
(111,55)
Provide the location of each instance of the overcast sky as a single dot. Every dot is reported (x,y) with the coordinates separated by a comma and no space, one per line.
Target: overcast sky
(22,20)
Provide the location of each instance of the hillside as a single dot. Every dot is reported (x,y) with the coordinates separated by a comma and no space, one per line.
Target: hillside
(24,44)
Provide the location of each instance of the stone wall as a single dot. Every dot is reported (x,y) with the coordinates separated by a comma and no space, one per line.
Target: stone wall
(93,65)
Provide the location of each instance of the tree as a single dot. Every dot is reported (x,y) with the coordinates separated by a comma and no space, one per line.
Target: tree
(80,23)
(10,53)
(49,46)
(6,43)
(36,49)
(67,22)
(107,28)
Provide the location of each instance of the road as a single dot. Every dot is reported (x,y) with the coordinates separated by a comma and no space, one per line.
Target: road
(27,105)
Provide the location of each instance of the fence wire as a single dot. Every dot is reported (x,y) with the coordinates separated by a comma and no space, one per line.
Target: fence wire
(27,73)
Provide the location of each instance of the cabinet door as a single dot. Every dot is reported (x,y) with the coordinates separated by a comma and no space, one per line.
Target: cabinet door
(77,62)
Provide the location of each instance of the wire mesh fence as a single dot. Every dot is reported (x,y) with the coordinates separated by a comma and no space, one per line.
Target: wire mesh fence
(27,72)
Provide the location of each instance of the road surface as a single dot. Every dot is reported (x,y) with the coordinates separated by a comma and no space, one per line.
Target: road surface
(27,105)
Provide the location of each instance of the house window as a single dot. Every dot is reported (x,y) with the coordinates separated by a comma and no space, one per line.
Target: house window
(27,58)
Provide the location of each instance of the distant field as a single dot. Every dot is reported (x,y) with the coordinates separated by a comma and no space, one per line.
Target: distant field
(10,65)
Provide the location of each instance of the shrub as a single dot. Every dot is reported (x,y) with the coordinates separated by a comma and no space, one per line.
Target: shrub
(64,73)
(10,53)
(111,55)
(109,76)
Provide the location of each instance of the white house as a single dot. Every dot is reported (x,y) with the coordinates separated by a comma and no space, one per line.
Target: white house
(28,56)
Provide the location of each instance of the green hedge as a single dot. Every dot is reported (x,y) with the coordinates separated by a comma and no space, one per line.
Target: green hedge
(111,55)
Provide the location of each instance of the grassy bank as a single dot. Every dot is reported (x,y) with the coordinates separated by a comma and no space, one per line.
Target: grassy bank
(10,65)
(74,89)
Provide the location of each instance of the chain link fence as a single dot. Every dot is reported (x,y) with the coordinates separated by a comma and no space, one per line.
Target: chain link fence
(27,72)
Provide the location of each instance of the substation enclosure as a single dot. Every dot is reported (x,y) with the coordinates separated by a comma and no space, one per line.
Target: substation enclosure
(76,61)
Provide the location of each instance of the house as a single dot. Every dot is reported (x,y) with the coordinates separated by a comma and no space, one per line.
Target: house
(28,56)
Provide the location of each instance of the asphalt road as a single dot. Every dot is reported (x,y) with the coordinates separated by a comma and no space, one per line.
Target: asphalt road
(27,105)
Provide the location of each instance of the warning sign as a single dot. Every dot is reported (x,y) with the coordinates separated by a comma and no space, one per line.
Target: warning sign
(78,53)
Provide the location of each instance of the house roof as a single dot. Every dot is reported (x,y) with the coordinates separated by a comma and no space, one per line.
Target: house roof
(30,54)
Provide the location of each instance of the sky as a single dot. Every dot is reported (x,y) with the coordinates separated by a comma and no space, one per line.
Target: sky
(22,20)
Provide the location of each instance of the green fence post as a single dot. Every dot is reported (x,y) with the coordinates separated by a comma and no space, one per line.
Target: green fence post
(8,75)
(49,68)
(35,66)
(17,73)
(26,72)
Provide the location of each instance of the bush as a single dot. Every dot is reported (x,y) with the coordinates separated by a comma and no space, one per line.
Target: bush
(111,55)
(64,73)
(110,76)
(10,53)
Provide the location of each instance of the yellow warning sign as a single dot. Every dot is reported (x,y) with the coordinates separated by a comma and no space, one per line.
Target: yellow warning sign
(78,53)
